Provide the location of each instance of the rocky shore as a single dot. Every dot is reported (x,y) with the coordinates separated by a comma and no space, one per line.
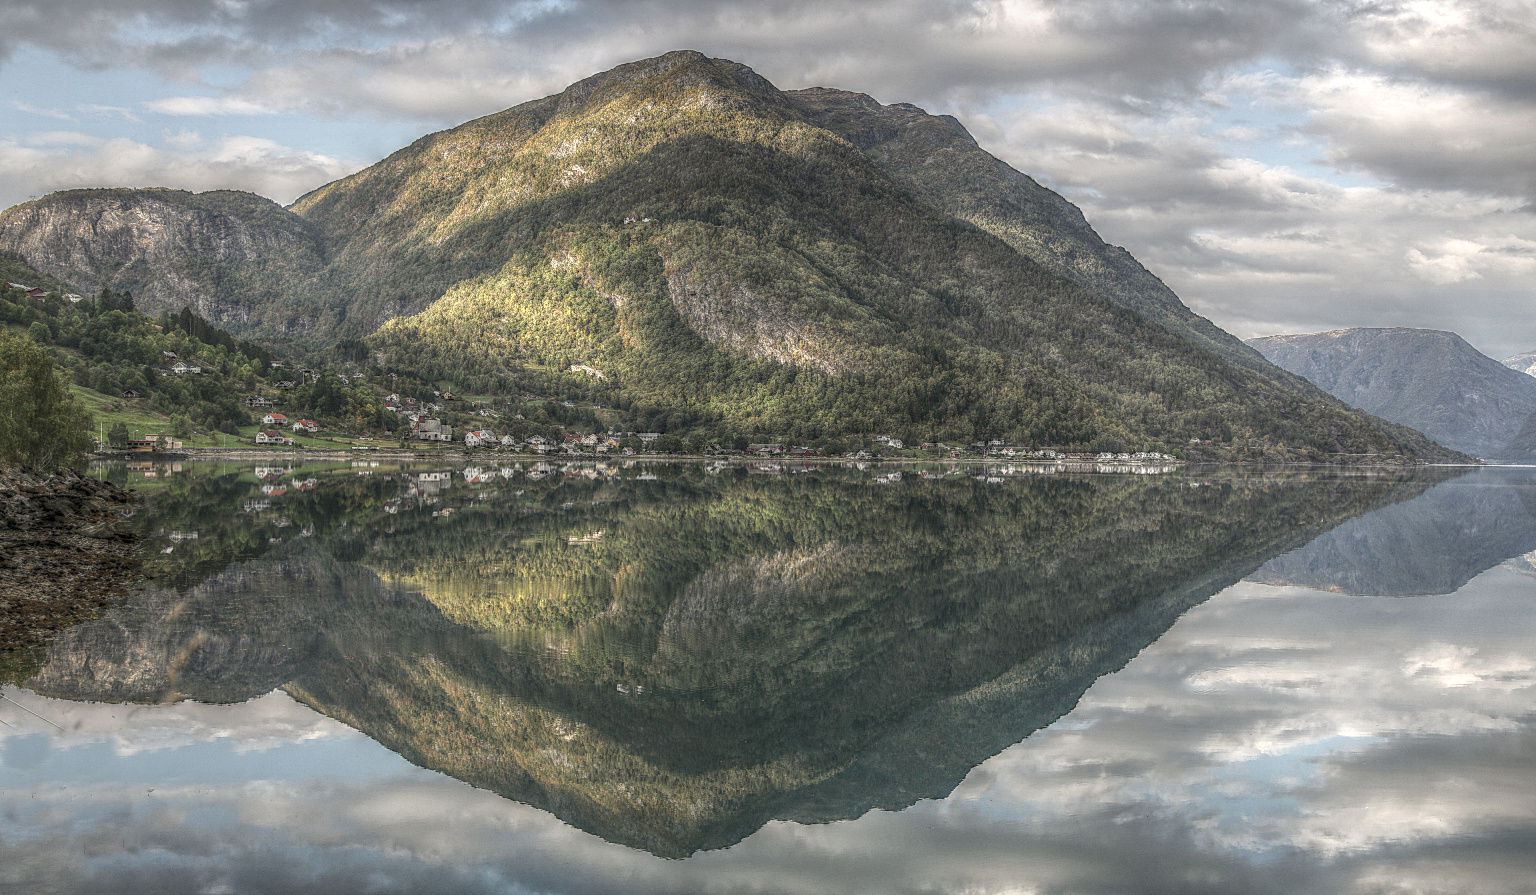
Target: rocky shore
(63,557)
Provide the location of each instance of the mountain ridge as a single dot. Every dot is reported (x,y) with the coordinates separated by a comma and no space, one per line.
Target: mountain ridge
(1431,380)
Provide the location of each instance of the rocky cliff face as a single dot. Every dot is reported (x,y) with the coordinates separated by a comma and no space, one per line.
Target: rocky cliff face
(1430,380)
(235,258)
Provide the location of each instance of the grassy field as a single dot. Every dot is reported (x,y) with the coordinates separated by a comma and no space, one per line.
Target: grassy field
(140,422)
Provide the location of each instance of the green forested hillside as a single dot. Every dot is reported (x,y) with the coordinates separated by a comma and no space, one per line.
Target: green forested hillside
(680,229)
(106,345)
(679,242)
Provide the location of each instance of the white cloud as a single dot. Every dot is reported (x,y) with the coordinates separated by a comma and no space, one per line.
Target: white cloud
(48,113)
(206,105)
(42,163)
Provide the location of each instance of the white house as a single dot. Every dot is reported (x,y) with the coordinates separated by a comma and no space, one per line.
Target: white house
(309,426)
(182,366)
(478,438)
(433,430)
(274,419)
(268,437)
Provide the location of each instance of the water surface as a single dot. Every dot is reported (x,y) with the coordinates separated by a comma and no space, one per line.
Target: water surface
(369,678)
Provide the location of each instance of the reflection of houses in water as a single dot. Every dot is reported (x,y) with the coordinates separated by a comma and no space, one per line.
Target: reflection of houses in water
(274,490)
(271,473)
(430,483)
(257,506)
(591,537)
(183,535)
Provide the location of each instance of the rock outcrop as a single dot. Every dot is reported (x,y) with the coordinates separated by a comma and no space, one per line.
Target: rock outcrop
(236,259)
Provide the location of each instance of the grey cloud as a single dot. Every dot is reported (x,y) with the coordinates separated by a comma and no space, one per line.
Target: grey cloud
(925,50)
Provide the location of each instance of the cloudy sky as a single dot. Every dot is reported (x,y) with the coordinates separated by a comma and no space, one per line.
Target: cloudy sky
(1286,165)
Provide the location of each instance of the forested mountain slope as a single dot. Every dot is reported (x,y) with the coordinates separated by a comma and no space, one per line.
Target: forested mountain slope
(935,157)
(1430,380)
(679,229)
(678,237)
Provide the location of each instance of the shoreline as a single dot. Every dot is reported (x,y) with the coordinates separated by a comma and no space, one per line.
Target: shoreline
(63,559)
(334,455)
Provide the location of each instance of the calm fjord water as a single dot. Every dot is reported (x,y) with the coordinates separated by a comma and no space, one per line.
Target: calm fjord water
(516,678)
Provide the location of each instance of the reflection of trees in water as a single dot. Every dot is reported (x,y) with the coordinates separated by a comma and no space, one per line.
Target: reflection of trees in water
(670,664)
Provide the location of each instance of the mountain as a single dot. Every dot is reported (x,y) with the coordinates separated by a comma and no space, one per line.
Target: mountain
(936,158)
(1522,363)
(681,242)
(1430,380)
(236,259)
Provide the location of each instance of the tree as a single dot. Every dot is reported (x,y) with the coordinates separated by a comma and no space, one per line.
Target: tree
(39,333)
(118,436)
(41,423)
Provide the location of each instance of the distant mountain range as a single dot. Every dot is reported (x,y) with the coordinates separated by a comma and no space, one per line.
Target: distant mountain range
(678,238)
(1430,380)
(1522,363)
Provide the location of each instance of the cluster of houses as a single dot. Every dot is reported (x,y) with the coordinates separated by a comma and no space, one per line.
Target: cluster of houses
(278,421)
(40,294)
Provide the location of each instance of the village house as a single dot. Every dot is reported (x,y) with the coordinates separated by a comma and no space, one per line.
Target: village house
(130,394)
(181,367)
(765,450)
(309,426)
(432,430)
(256,401)
(269,437)
(479,438)
(274,419)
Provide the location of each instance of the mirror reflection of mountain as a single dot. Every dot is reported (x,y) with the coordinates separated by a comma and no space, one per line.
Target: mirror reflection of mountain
(671,660)
(1432,545)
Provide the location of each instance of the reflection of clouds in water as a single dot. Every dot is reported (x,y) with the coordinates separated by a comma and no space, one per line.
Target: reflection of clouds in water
(1273,719)
(259,724)
(1275,740)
